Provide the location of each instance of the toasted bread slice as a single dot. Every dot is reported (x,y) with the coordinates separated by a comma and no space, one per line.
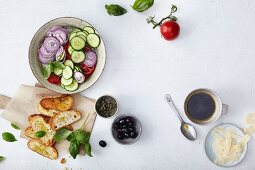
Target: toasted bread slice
(46,112)
(29,132)
(40,123)
(61,103)
(46,151)
(62,119)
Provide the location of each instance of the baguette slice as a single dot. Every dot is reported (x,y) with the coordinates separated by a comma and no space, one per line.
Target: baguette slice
(62,119)
(29,132)
(46,112)
(40,123)
(61,103)
(46,151)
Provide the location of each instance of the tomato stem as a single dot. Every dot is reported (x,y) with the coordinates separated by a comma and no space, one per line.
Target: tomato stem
(150,19)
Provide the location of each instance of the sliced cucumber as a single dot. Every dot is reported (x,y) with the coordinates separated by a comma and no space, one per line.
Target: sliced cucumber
(69,63)
(78,56)
(73,34)
(66,82)
(83,37)
(57,71)
(93,40)
(77,68)
(70,50)
(77,43)
(89,29)
(73,86)
(82,33)
(67,72)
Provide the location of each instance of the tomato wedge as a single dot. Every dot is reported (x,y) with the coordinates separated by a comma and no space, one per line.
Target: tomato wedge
(87,70)
(54,79)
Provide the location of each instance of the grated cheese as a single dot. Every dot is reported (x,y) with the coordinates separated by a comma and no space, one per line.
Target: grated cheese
(228,145)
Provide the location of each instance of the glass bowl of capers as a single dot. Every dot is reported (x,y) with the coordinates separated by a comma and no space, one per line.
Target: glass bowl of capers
(106,106)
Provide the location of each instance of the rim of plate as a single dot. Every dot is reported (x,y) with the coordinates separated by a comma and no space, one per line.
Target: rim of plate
(52,89)
(228,166)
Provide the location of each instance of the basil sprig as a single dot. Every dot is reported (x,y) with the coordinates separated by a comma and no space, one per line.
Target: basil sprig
(115,10)
(77,138)
(40,134)
(142,5)
(8,137)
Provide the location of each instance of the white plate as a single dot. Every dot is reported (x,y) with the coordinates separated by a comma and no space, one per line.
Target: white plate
(209,141)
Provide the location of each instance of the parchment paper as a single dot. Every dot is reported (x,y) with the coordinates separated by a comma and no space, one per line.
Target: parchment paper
(25,102)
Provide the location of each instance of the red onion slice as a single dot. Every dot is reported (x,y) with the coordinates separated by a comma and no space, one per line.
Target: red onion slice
(45,60)
(62,35)
(51,44)
(45,53)
(50,33)
(79,77)
(91,59)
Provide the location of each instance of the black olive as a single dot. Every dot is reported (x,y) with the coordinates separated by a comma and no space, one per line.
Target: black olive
(124,130)
(133,134)
(102,143)
(120,136)
(131,124)
(122,121)
(126,135)
(131,129)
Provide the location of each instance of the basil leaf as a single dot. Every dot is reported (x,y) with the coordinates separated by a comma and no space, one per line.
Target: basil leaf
(59,65)
(74,148)
(115,10)
(82,136)
(61,134)
(40,134)
(2,158)
(8,137)
(87,148)
(142,5)
(46,71)
(15,126)
(71,137)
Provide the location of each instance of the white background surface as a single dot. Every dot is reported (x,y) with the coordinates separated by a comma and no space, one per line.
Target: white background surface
(215,50)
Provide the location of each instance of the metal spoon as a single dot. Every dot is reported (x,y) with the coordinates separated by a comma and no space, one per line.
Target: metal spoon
(187,129)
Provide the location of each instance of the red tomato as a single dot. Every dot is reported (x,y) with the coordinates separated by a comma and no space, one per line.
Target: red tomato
(54,79)
(87,70)
(68,56)
(170,30)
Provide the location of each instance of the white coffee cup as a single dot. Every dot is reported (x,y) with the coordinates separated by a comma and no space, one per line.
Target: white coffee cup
(220,108)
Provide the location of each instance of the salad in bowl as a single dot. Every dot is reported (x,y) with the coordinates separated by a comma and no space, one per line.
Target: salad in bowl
(69,57)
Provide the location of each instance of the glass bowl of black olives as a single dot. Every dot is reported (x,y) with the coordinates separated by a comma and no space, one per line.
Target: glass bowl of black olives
(126,129)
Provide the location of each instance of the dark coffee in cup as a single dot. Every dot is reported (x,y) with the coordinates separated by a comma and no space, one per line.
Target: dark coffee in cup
(200,106)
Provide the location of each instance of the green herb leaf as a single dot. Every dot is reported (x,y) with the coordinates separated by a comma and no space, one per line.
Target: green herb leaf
(15,126)
(74,148)
(47,71)
(40,134)
(142,5)
(87,148)
(82,136)
(62,134)
(8,137)
(58,65)
(115,10)
(2,158)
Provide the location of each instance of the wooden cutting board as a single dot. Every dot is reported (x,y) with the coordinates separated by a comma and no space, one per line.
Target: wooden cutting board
(25,102)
